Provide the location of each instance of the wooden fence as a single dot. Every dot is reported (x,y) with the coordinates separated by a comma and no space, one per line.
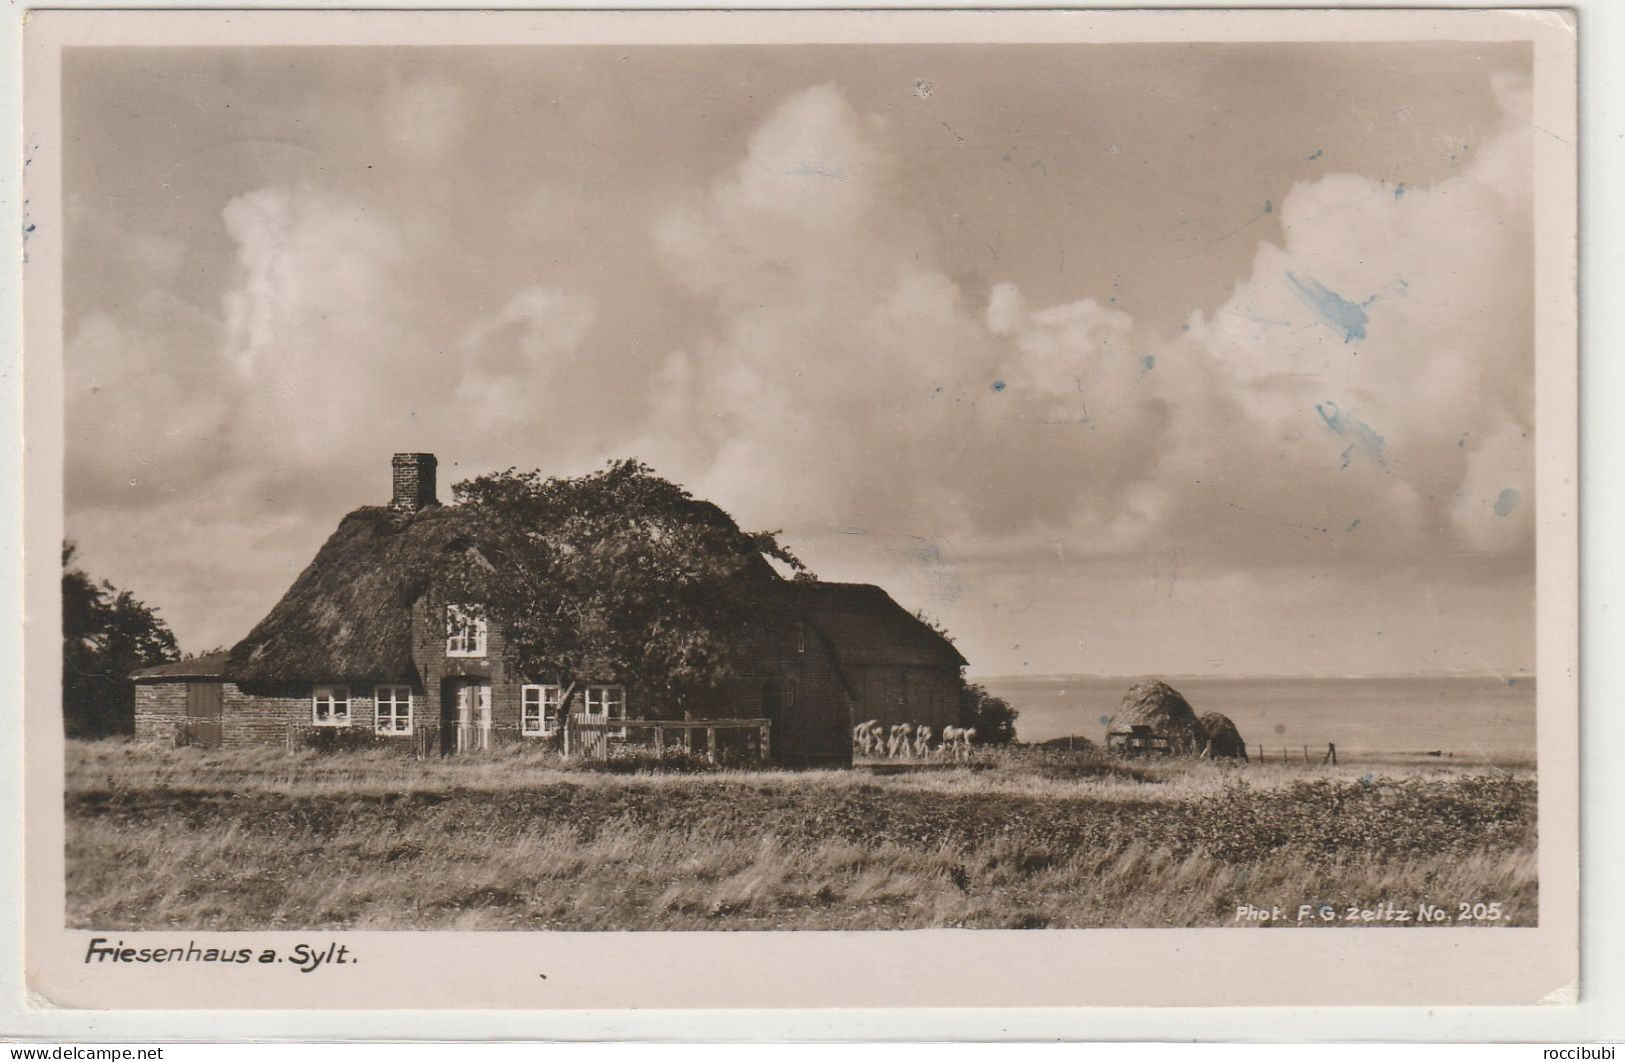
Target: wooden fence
(1329,756)
(589,736)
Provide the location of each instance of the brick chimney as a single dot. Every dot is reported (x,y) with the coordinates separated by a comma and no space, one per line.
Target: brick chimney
(414,482)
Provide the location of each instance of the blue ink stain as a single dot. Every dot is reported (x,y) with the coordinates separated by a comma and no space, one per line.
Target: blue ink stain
(1362,439)
(1105,720)
(1506,502)
(1399,190)
(1511,681)
(1148,363)
(1461,443)
(1318,152)
(1341,314)
(1355,524)
(1368,780)
(998,385)
(1184,328)
(1269,207)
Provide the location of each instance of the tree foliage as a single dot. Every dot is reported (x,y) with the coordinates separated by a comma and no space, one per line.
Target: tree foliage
(106,634)
(992,717)
(618,574)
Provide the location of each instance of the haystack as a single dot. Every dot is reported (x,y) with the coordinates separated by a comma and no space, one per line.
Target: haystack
(1156,713)
(1224,740)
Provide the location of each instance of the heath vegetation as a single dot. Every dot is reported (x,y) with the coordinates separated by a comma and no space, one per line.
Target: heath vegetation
(1020,838)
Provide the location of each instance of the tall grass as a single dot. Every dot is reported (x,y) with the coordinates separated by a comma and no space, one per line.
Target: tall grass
(234,840)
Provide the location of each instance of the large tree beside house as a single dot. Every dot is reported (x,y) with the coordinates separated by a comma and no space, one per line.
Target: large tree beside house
(618,572)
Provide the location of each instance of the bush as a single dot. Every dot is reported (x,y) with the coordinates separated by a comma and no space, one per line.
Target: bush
(992,717)
(338,739)
(624,759)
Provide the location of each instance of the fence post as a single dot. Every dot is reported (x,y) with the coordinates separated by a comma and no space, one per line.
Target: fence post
(767,741)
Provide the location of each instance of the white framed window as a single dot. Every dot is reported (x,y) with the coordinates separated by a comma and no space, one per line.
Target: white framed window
(465,631)
(330,706)
(608,703)
(539,710)
(392,709)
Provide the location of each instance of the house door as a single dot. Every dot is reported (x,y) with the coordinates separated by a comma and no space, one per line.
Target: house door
(466,715)
(774,712)
(203,714)
(773,709)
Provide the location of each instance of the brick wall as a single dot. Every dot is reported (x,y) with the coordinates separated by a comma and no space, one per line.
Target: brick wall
(255,713)
(896,694)
(815,720)
(412,481)
(815,727)
(158,707)
(815,717)
(437,669)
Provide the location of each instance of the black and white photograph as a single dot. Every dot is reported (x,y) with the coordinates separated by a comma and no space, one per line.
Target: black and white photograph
(810,487)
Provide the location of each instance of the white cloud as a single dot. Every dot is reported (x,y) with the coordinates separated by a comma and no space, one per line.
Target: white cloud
(1363,393)
(1362,396)
(1376,367)
(516,362)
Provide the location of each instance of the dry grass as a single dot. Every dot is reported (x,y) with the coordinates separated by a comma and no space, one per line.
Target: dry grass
(163,837)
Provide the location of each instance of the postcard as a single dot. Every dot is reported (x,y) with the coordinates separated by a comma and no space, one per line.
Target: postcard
(547,511)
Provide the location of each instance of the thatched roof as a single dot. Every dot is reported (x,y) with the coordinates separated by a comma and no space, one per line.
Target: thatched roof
(1164,711)
(210,666)
(348,617)
(867,627)
(1224,740)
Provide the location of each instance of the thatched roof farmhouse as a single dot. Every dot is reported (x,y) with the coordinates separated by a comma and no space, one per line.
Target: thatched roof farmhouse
(361,645)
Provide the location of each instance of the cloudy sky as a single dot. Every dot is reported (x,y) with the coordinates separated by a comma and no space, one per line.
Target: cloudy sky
(1119,359)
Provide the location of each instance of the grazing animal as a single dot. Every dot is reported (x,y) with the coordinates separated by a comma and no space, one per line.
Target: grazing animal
(866,737)
(897,744)
(922,741)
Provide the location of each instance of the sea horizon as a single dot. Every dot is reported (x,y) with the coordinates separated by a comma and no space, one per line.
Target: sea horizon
(1481,714)
(1243,676)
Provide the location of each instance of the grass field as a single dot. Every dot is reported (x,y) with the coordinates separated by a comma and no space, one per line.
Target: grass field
(1024,838)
